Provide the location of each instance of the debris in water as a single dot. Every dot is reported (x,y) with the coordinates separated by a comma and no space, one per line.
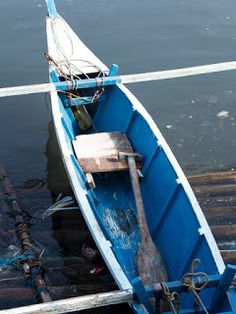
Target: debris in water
(169,126)
(223,114)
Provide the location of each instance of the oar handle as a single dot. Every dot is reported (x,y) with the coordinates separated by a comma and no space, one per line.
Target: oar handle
(138,196)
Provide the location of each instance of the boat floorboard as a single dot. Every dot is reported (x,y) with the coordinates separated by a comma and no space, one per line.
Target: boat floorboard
(216,195)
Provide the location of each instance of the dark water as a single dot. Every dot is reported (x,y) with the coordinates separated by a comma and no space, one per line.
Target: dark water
(196,115)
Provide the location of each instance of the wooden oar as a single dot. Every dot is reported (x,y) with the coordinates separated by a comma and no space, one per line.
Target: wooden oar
(149,261)
(125,79)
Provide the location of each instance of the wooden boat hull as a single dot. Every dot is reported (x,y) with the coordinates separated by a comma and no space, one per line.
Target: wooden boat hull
(175,220)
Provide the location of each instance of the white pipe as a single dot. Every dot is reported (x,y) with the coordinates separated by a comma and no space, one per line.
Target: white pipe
(125,79)
(74,304)
(177,73)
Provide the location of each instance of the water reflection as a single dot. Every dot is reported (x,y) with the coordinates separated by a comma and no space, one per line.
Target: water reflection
(80,268)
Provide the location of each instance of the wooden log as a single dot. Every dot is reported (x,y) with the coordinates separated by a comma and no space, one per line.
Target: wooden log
(228,254)
(224,232)
(207,201)
(216,195)
(220,215)
(213,178)
(75,304)
(215,190)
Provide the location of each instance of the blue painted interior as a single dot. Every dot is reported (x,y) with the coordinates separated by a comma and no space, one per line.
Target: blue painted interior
(172,221)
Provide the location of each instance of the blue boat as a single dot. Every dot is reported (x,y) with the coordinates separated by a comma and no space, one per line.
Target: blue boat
(118,164)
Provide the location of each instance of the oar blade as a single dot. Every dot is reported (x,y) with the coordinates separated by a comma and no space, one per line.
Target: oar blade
(150,264)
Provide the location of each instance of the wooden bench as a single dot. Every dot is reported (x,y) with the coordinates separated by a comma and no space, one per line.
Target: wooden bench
(99,152)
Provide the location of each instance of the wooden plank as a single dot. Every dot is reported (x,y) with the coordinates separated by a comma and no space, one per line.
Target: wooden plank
(224,231)
(125,79)
(75,304)
(213,178)
(216,195)
(220,215)
(228,254)
(99,152)
(209,201)
(214,190)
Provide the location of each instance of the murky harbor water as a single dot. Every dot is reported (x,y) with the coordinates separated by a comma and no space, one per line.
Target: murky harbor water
(196,115)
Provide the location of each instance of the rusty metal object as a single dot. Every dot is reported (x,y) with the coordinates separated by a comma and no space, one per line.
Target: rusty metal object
(31,264)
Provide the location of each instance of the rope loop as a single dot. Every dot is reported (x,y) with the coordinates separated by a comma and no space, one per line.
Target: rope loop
(190,285)
(173,299)
(16,260)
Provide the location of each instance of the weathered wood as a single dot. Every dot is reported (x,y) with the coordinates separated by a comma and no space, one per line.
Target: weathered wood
(224,232)
(150,264)
(99,152)
(16,293)
(221,215)
(228,254)
(215,190)
(209,201)
(90,180)
(216,195)
(213,178)
(75,304)
(125,79)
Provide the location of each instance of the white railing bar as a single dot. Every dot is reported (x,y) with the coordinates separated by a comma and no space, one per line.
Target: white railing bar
(125,79)
(178,73)
(74,304)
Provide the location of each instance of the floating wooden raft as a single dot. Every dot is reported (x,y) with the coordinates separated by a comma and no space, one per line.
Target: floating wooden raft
(216,193)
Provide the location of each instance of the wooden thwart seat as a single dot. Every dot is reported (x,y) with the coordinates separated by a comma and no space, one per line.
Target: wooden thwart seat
(99,152)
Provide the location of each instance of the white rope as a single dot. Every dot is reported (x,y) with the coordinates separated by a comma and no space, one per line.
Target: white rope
(125,79)
(58,25)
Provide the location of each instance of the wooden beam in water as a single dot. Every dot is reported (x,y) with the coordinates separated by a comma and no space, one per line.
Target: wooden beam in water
(224,231)
(213,177)
(228,254)
(216,195)
(215,190)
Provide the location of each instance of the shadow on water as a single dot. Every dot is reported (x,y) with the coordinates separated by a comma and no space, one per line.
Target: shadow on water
(72,234)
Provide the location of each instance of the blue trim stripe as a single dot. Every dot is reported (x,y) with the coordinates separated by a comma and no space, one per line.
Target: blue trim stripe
(52,11)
